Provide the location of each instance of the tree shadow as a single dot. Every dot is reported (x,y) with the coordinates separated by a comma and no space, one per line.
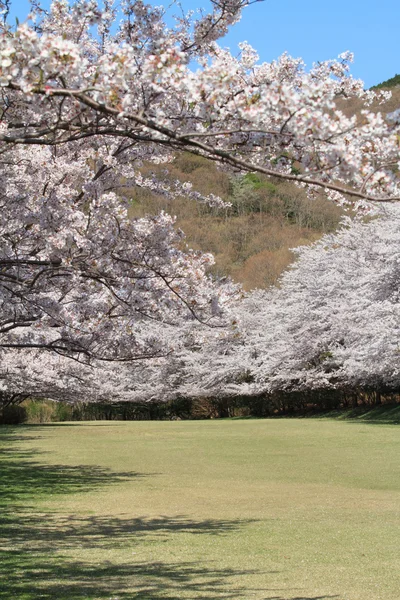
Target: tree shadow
(46,531)
(67,580)
(22,479)
(387,414)
(38,550)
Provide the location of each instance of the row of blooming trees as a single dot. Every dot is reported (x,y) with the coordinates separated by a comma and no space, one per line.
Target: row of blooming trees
(333,323)
(88,94)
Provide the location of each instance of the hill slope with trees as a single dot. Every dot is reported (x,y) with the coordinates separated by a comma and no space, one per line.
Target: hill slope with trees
(389,83)
(252,239)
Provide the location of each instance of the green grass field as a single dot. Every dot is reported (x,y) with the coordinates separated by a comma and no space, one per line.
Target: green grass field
(299,509)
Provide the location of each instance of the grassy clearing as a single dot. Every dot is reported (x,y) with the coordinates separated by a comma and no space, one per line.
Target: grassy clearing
(300,509)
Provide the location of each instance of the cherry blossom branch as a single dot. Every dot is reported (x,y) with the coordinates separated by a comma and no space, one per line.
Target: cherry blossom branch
(184,142)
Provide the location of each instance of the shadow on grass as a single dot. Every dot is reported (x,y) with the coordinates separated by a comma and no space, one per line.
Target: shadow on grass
(35,563)
(63,580)
(38,550)
(45,532)
(387,414)
(23,479)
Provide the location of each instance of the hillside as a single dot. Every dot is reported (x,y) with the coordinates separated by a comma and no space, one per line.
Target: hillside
(251,241)
(354,105)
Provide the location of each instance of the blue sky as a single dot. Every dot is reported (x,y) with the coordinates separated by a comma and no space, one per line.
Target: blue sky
(315,30)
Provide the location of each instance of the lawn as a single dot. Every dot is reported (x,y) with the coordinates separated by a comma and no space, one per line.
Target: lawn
(286,509)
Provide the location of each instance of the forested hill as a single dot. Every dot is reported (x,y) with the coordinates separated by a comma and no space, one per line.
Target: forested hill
(389,83)
(251,241)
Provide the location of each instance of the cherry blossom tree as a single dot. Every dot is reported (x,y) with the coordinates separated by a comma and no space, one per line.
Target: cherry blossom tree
(90,93)
(35,374)
(84,278)
(348,333)
(333,323)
